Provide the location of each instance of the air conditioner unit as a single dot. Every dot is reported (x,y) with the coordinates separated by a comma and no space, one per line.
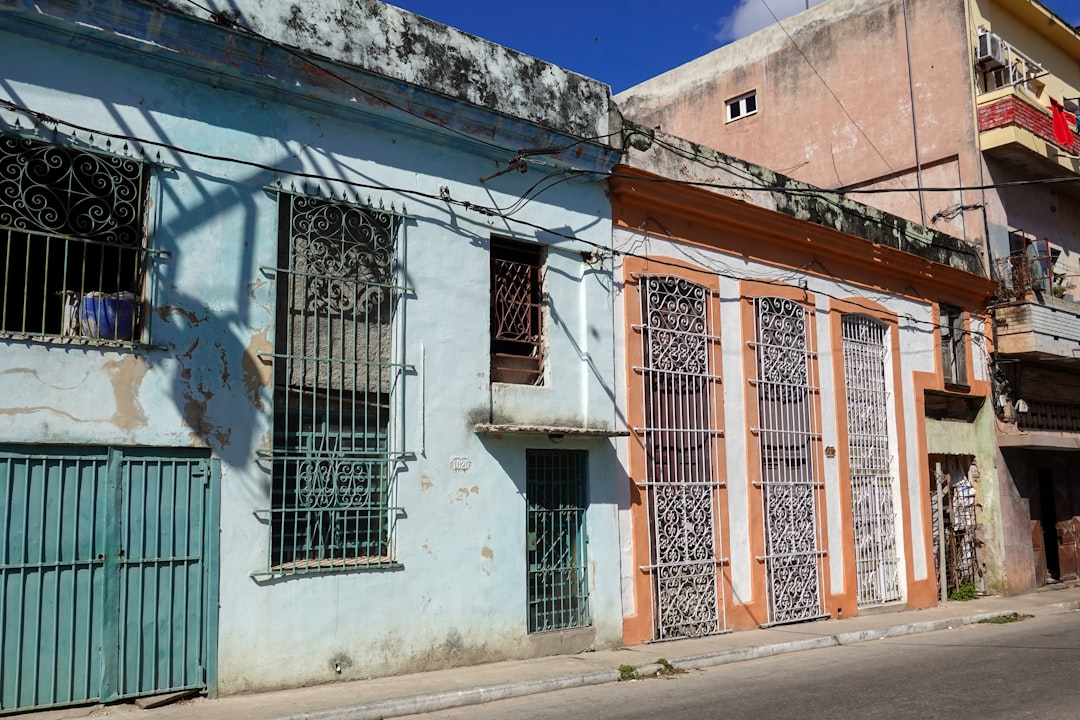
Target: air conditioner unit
(992,53)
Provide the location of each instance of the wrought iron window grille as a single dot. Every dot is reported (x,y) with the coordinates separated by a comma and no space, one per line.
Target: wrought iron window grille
(72,243)
(873,482)
(679,432)
(790,480)
(337,378)
(517,315)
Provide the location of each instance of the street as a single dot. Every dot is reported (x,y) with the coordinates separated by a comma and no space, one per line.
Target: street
(1025,669)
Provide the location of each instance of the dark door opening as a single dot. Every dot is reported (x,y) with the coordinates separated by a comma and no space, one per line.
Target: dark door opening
(1048,520)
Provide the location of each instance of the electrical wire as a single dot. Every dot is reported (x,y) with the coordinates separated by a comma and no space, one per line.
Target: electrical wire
(442,197)
(835,97)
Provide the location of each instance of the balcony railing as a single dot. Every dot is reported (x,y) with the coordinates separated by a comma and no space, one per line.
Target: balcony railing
(1023,273)
(1062,417)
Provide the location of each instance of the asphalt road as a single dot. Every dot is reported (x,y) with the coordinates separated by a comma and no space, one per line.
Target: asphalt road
(1026,669)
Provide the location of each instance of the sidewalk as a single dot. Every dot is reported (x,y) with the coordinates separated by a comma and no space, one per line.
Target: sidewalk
(441,689)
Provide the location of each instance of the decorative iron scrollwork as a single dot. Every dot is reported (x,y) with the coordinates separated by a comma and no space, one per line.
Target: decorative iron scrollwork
(678,446)
(344,254)
(63,191)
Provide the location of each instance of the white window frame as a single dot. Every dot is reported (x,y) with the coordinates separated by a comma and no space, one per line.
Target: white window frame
(736,108)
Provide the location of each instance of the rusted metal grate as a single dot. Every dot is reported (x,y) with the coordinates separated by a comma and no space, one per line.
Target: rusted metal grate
(516,312)
(953,504)
(72,250)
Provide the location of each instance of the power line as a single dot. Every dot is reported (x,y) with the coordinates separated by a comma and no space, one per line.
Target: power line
(445,197)
(833,94)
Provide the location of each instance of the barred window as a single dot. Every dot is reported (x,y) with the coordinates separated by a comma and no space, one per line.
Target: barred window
(71,241)
(336,381)
(516,312)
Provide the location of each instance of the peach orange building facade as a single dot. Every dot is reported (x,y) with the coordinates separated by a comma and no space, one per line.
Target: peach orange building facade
(778,370)
(959,115)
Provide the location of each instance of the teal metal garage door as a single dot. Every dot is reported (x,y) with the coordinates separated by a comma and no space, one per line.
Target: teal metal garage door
(108,583)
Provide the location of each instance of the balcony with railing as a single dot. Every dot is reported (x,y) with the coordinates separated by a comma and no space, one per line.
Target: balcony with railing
(1015,119)
(1035,315)
(1053,416)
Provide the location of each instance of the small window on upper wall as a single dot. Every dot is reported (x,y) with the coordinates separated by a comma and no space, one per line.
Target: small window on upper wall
(516,312)
(742,106)
(953,346)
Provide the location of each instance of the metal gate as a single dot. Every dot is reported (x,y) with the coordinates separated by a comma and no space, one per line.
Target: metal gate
(679,435)
(789,476)
(952,500)
(877,565)
(107,574)
(555,496)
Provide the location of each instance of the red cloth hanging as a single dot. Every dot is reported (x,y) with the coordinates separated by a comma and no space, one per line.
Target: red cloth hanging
(1063,122)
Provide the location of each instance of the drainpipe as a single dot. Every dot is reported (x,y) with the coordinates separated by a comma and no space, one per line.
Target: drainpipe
(914,121)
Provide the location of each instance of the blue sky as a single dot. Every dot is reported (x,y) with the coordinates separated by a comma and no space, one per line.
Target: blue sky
(623,42)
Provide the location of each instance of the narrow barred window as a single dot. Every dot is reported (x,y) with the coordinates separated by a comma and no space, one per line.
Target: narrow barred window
(516,312)
(336,380)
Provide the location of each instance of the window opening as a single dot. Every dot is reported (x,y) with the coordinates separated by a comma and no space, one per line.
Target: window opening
(682,478)
(873,487)
(953,346)
(71,241)
(742,106)
(555,489)
(335,387)
(516,312)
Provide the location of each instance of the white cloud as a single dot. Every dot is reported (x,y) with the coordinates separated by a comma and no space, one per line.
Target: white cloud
(749,16)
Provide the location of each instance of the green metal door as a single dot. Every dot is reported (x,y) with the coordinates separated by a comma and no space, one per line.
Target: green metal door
(107,574)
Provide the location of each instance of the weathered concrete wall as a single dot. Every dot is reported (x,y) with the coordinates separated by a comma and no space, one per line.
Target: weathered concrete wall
(385,39)
(834,107)
(674,157)
(460,595)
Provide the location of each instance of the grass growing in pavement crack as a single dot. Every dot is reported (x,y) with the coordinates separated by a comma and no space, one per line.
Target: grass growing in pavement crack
(1002,619)
(666,668)
(627,672)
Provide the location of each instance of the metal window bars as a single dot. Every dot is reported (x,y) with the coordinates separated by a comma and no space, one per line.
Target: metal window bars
(516,312)
(873,487)
(679,433)
(337,386)
(790,479)
(555,490)
(71,241)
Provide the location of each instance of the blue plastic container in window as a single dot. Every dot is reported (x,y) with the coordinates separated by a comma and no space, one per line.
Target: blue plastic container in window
(110,316)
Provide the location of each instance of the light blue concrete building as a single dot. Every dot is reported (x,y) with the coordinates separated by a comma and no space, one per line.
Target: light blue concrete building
(306,349)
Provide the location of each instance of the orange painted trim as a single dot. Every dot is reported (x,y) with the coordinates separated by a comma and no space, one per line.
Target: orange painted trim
(708,219)
(848,599)
(640,625)
(976,388)
(755,611)
(924,593)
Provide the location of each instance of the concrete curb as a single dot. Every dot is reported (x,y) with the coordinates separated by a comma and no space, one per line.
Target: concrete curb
(475,696)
